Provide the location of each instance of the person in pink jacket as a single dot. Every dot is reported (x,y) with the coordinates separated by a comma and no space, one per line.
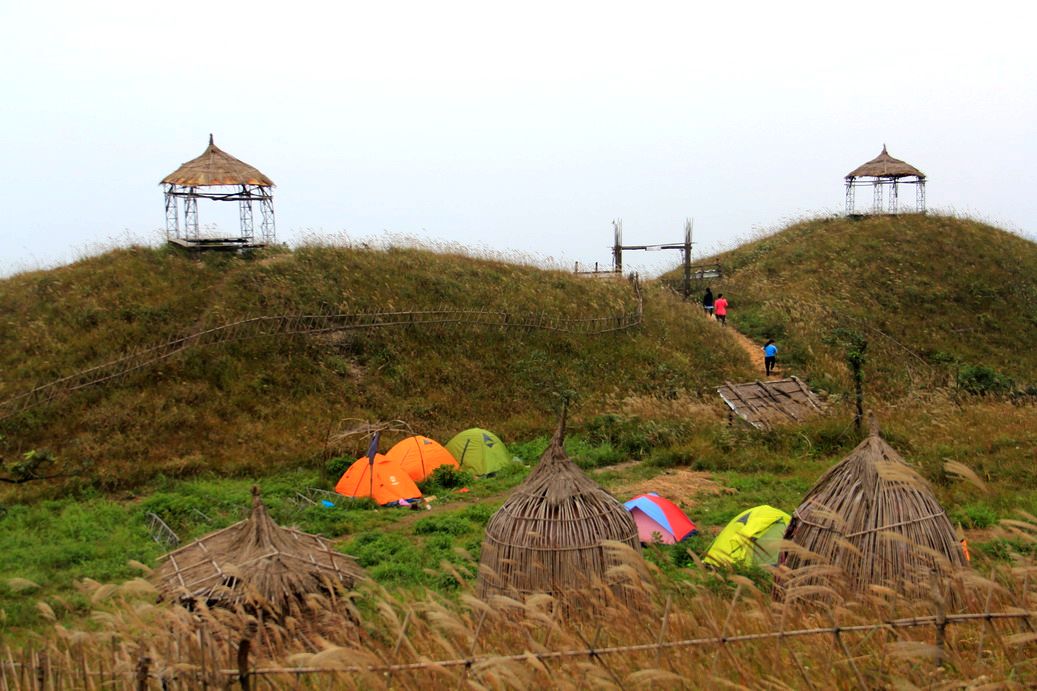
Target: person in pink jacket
(720,309)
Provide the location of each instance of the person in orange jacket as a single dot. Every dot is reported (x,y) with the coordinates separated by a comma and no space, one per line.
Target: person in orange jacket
(720,309)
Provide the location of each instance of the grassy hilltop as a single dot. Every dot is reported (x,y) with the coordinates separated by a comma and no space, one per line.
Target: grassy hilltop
(256,405)
(939,301)
(946,307)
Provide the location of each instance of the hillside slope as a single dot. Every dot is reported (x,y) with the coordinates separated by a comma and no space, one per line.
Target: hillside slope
(937,299)
(263,403)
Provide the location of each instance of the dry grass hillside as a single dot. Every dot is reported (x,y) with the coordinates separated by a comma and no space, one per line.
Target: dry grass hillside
(265,403)
(937,300)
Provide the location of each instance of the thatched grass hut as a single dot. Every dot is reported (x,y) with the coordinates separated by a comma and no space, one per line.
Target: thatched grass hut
(255,565)
(560,533)
(876,521)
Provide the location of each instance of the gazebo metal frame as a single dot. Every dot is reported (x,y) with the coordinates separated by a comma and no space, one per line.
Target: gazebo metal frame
(245,195)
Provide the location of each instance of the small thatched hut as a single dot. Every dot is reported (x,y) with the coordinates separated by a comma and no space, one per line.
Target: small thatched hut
(551,536)
(255,564)
(874,519)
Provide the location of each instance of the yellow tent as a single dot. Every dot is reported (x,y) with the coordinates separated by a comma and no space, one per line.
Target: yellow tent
(753,537)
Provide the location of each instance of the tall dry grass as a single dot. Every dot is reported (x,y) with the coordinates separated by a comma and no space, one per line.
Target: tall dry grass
(728,632)
(225,406)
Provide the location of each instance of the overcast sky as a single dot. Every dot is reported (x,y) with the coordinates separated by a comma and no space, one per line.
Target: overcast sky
(519,128)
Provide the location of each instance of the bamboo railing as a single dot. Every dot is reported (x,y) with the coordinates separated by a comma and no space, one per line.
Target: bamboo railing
(297,324)
(54,667)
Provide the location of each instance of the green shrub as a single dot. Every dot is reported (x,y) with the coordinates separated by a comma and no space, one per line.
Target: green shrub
(338,465)
(529,451)
(976,515)
(632,436)
(445,477)
(981,380)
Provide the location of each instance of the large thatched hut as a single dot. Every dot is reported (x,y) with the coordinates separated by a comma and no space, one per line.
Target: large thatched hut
(876,521)
(255,564)
(553,535)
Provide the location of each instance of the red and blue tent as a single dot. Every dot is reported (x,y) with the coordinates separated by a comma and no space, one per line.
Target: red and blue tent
(659,519)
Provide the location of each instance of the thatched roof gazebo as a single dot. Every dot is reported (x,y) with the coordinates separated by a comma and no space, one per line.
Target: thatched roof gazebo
(885,171)
(254,564)
(876,521)
(552,536)
(218,176)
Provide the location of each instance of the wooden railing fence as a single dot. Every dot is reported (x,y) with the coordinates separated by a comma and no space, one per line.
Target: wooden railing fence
(295,324)
(38,670)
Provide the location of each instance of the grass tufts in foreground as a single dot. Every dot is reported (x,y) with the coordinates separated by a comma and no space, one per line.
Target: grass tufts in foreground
(722,629)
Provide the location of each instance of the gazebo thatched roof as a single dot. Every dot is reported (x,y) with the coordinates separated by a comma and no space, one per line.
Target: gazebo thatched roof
(551,534)
(885,166)
(254,563)
(215,167)
(876,520)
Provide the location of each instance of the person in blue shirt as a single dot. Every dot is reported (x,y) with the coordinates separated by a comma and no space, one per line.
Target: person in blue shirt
(770,355)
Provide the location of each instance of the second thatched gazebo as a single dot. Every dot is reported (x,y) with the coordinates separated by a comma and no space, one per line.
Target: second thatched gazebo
(876,521)
(560,533)
(218,176)
(881,172)
(255,565)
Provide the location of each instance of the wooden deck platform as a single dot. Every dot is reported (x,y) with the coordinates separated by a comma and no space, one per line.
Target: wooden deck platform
(215,244)
(764,404)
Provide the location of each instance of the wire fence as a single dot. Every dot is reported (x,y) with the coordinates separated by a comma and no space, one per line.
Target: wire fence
(54,669)
(297,324)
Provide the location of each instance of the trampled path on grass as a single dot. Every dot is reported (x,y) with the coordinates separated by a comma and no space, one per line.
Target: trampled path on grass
(753,350)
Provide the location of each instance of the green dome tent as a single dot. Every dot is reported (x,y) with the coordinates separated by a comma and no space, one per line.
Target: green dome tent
(479,450)
(753,537)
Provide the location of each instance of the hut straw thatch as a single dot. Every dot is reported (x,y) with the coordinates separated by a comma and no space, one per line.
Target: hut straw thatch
(215,167)
(255,564)
(876,521)
(885,166)
(560,533)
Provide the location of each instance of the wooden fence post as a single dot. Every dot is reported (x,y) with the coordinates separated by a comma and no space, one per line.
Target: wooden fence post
(41,670)
(143,665)
(243,650)
(941,619)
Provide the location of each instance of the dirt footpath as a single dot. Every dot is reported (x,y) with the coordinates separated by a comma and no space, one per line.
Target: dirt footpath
(754,351)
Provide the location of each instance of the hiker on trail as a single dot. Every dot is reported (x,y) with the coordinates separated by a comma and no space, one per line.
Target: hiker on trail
(770,355)
(707,302)
(720,309)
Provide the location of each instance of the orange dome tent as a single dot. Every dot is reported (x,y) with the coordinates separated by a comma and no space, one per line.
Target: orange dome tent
(420,456)
(384,481)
